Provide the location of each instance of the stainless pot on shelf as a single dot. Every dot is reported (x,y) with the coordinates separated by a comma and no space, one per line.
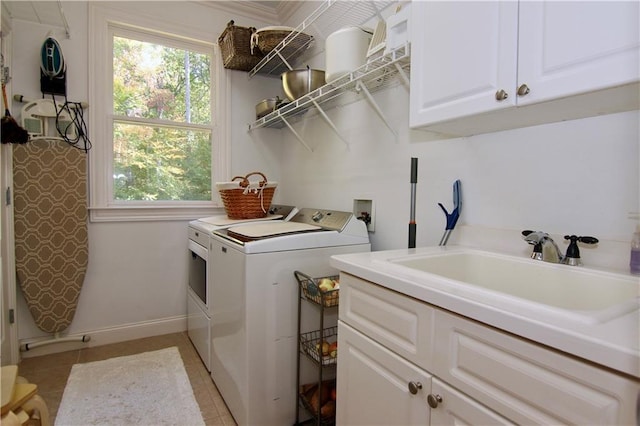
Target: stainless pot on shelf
(297,83)
(267,106)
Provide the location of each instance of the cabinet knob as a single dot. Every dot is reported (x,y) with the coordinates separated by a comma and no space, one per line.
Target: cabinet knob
(414,387)
(523,90)
(434,400)
(501,95)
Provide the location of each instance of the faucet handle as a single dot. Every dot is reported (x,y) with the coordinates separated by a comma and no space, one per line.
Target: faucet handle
(573,252)
(532,237)
(537,246)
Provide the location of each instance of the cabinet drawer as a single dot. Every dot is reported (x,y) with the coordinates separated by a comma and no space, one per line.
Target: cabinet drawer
(528,383)
(200,237)
(400,323)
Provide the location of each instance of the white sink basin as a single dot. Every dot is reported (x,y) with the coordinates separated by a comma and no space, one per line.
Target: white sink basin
(525,285)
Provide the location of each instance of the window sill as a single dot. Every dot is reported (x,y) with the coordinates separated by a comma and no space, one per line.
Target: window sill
(151,213)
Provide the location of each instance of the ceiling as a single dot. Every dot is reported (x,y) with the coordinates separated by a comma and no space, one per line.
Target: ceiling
(341,14)
(42,12)
(49,12)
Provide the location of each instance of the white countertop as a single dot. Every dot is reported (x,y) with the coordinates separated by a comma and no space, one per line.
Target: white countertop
(613,343)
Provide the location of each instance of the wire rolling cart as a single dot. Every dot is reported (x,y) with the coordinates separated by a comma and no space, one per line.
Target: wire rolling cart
(316,397)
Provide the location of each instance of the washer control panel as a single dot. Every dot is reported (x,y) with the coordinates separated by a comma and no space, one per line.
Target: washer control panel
(328,219)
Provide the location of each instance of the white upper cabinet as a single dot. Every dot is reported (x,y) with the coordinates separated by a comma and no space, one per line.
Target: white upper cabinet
(568,48)
(462,54)
(486,66)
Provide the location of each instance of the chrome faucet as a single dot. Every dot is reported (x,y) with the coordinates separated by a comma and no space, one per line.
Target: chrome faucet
(544,248)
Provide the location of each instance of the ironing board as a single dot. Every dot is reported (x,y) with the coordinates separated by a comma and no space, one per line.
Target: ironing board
(50,221)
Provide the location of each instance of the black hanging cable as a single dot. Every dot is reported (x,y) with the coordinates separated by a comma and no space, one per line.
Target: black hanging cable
(76,114)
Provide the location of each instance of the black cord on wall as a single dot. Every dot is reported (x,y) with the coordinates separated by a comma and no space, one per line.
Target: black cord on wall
(76,112)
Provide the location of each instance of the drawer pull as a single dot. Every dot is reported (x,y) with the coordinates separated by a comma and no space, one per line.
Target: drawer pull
(434,400)
(501,95)
(414,387)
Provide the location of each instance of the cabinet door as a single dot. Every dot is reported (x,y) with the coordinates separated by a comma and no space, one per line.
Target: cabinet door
(526,382)
(568,48)
(455,408)
(373,384)
(462,54)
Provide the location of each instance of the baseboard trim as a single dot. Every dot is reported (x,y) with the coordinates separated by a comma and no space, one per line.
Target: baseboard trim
(108,335)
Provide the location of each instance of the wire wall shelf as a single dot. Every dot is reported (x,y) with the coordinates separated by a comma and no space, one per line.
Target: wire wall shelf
(383,72)
(329,17)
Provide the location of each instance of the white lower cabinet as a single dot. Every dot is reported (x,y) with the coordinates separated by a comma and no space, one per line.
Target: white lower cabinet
(377,387)
(373,388)
(406,362)
(526,382)
(455,408)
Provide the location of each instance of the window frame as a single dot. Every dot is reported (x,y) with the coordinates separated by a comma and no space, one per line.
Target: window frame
(103,24)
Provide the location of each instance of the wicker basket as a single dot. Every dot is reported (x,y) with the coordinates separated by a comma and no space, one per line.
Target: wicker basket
(244,199)
(266,39)
(235,46)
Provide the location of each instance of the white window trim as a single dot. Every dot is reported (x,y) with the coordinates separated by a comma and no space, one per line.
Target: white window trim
(101,207)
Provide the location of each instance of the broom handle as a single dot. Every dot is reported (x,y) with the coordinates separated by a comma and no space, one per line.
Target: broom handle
(412,219)
(4,98)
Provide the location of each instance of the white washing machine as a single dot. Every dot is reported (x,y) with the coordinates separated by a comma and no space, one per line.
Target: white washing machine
(198,291)
(254,306)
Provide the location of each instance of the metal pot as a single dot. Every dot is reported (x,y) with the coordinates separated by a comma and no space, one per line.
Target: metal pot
(267,106)
(297,83)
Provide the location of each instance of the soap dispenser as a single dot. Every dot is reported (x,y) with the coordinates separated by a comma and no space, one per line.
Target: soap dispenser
(634,262)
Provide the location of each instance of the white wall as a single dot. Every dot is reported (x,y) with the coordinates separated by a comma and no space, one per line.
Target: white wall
(576,177)
(136,279)
(573,177)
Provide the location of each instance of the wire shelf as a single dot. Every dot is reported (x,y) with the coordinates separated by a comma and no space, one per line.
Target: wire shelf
(377,74)
(311,345)
(330,16)
(312,292)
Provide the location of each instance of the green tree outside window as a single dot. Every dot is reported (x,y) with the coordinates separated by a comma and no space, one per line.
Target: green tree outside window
(162,122)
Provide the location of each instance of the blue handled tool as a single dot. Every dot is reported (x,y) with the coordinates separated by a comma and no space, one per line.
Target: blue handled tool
(452,218)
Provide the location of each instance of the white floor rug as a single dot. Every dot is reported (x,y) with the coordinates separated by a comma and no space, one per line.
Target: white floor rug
(151,388)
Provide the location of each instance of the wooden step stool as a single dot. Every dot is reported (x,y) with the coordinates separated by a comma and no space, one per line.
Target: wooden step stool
(21,403)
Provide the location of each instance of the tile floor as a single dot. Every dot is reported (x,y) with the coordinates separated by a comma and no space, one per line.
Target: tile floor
(50,372)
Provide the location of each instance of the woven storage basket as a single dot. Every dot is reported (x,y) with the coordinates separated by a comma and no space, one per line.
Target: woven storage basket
(235,46)
(266,39)
(244,199)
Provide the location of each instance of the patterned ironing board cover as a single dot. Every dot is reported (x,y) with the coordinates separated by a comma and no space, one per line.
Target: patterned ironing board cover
(50,220)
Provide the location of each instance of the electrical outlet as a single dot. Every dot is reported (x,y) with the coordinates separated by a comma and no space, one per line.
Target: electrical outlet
(364,210)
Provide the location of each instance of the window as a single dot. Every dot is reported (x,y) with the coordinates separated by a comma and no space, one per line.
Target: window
(155,94)
(161,121)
